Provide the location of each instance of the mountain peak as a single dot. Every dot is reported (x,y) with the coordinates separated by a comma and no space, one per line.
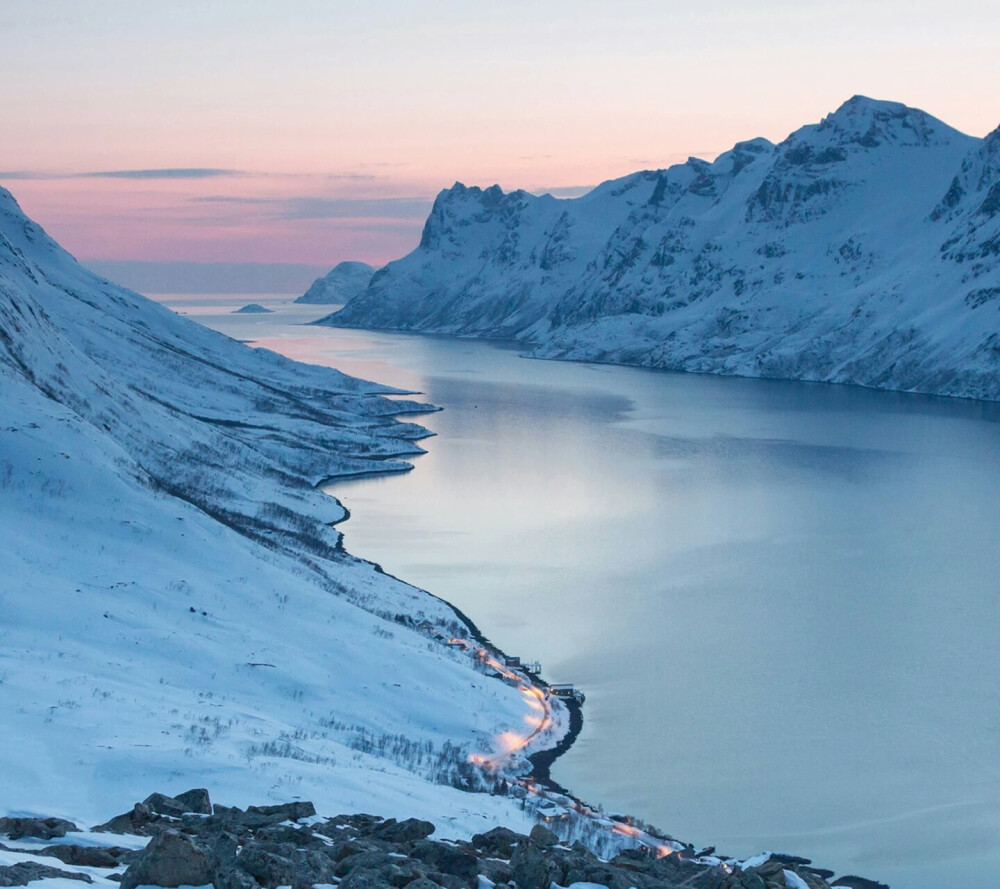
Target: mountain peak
(870,123)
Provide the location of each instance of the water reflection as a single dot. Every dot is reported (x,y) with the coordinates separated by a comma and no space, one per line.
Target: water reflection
(780,598)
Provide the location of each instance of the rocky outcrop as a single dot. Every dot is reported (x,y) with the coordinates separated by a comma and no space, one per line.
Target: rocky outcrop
(25,872)
(263,847)
(172,859)
(42,828)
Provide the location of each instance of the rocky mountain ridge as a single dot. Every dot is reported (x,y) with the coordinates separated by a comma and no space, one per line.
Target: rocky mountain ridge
(863,249)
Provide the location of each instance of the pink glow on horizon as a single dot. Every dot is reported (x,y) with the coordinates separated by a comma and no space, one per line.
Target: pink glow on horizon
(387,103)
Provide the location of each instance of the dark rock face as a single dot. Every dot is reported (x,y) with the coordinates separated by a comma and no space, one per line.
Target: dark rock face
(447,859)
(286,811)
(499,842)
(144,817)
(268,866)
(532,869)
(89,856)
(42,828)
(172,859)
(403,831)
(194,843)
(196,800)
(25,872)
(542,836)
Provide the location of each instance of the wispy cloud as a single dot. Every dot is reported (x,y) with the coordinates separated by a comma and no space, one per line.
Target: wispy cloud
(168,173)
(332,208)
(357,208)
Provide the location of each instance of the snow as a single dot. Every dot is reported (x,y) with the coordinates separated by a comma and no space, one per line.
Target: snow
(755,861)
(176,609)
(864,249)
(344,282)
(793,880)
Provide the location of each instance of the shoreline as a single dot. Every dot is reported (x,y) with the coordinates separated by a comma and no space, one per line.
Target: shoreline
(542,760)
(528,350)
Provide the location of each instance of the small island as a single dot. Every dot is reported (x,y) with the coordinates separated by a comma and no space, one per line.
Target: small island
(252,309)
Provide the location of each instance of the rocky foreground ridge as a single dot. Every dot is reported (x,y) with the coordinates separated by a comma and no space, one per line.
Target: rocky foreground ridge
(863,249)
(195,843)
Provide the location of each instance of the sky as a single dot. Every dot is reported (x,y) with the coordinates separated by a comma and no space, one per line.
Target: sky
(312,131)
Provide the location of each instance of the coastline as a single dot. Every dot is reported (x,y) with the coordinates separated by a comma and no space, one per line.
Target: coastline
(542,760)
(529,350)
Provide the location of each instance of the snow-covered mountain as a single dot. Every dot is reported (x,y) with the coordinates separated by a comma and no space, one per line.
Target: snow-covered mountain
(342,283)
(175,608)
(863,249)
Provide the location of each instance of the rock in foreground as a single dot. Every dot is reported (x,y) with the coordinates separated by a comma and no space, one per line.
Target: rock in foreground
(195,844)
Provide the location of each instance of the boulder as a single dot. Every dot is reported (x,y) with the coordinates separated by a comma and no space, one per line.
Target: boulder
(161,804)
(541,836)
(499,842)
(496,870)
(268,866)
(42,828)
(313,867)
(448,860)
(364,879)
(196,800)
(285,811)
(85,856)
(171,859)
(25,872)
(422,883)
(139,822)
(234,878)
(852,882)
(407,831)
(532,869)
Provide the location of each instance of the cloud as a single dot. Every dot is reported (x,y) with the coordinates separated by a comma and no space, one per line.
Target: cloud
(333,208)
(227,199)
(169,173)
(357,208)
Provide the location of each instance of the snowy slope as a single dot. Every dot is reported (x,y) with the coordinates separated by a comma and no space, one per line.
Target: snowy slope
(342,283)
(863,249)
(174,608)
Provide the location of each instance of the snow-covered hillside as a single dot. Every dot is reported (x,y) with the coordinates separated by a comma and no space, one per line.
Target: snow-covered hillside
(342,283)
(175,608)
(863,249)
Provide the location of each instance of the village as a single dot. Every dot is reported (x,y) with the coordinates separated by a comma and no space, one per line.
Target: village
(567,816)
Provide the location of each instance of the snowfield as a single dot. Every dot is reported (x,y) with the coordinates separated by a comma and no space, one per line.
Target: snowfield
(175,607)
(864,249)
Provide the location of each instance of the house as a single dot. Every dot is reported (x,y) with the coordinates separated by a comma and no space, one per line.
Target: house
(549,812)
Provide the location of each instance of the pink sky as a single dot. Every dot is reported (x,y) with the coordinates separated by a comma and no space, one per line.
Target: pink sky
(313,131)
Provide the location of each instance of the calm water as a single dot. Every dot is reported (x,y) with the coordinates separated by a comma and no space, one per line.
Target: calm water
(780,598)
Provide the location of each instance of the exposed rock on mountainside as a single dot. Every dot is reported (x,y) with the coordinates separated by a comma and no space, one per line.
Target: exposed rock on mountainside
(864,249)
(175,600)
(344,282)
